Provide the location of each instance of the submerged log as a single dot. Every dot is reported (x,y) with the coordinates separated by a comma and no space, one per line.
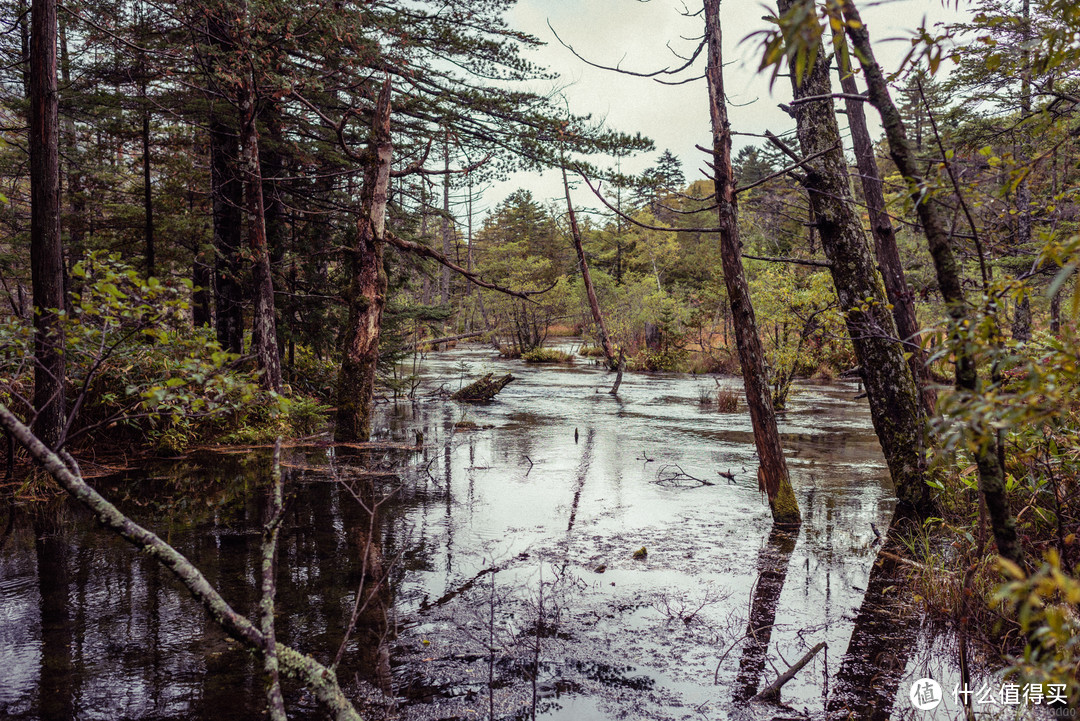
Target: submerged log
(484,389)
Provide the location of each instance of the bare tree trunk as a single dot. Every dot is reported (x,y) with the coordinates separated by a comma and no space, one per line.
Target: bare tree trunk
(888,255)
(1021,328)
(773,473)
(444,279)
(226,192)
(46,253)
(263,322)
(594,304)
(366,293)
(991,474)
(890,386)
(148,198)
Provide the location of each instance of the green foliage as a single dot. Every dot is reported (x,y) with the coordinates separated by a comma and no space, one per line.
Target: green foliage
(138,370)
(1046,605)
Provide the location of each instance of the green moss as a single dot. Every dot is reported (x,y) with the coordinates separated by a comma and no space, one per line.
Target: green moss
(785,507)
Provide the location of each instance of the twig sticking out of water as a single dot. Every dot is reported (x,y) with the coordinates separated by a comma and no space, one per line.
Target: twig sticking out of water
(644,457)
(672,474)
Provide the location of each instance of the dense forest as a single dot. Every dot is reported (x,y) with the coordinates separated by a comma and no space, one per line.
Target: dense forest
(226,223)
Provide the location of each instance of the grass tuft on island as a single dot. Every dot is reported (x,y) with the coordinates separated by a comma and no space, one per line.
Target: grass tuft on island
(546,355)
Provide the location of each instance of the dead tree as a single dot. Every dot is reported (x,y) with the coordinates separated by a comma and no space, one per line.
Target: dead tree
(773,475)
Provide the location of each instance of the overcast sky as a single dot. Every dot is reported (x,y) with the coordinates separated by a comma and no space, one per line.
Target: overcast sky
(636,35)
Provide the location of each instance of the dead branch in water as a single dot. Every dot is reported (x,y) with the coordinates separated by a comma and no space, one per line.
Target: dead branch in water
(673,474)
(772,691)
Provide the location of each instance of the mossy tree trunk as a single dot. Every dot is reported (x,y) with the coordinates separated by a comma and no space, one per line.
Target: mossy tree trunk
(888,255)
(991,474)
(773,473)
(365,294)
(890,386)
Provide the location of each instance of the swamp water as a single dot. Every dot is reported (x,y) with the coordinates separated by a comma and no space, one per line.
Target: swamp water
(520,537)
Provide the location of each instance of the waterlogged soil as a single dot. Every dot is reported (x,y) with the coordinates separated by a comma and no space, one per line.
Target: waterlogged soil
(560,553)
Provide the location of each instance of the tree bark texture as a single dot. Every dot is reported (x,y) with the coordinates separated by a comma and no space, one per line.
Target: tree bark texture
(263,322)
(991,474)
(773,473)
(888,255)
(890,386)
(366,291)
(46,252)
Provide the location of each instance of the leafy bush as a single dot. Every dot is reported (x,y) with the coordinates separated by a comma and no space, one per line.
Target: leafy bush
(138,371)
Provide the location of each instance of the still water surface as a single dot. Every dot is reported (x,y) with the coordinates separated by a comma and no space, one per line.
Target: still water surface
(518,537)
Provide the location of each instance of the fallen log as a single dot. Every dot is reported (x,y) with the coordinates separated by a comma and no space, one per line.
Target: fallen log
(424,342)
(484,389)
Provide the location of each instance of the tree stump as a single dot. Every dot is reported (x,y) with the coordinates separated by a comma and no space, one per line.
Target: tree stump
(484,389)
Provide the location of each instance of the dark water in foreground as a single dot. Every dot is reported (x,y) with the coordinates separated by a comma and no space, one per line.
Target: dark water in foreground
(518,537)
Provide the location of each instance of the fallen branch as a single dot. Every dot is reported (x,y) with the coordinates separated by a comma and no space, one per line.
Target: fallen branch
(322,683)
(772,691)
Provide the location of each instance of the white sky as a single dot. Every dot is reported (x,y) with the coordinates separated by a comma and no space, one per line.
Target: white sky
(636,34)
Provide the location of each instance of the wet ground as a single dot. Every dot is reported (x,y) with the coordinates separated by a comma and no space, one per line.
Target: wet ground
(514,582)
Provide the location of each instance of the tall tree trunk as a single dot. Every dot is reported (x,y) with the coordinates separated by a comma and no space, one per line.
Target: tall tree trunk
(991,474)
(444,279)
(1021,327)
(263,323)
(890,386)
(148,197)
(586,277)
(888,255)
(773,473)
(46,253)
(366,292)
(226,190)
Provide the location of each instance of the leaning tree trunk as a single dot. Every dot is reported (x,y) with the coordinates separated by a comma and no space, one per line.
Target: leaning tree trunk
(366,292)
(888,255)
(773,473)
(590,291)
(991,474)
(890,386)
(263,323)
(46,254)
